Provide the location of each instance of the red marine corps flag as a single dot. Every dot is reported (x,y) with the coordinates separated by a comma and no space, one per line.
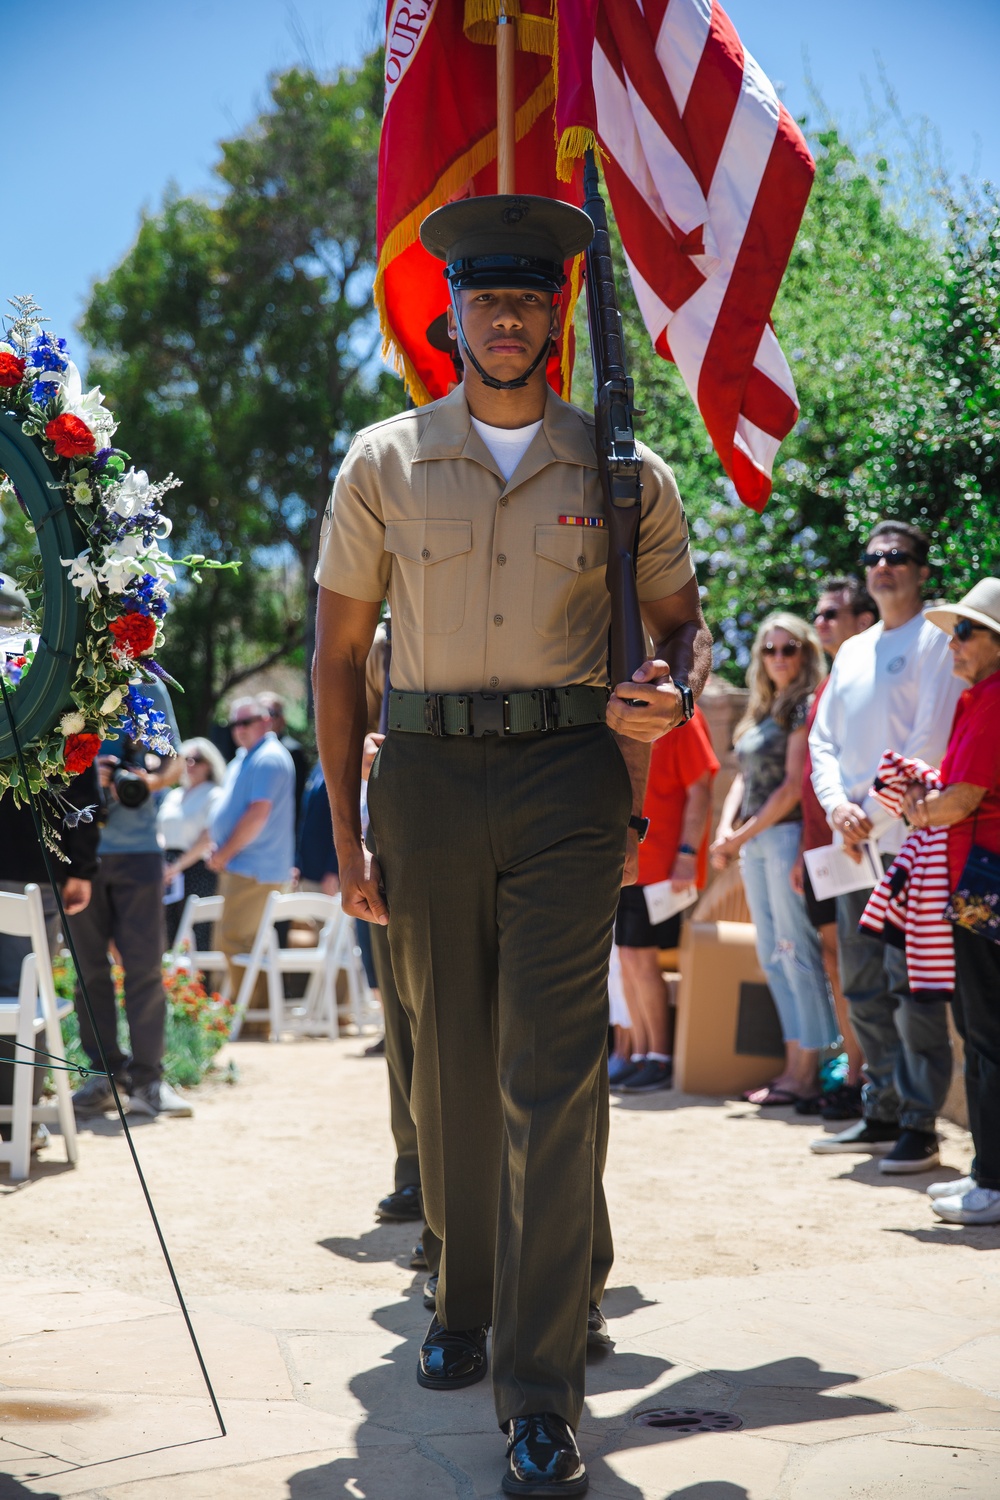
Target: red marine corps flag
(439,143)
(708,176)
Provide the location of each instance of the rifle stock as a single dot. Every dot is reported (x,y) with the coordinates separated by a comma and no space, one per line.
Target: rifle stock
(618,461)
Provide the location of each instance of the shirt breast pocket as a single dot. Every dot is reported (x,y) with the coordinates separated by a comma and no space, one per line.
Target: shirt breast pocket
(569,579)
(430,562)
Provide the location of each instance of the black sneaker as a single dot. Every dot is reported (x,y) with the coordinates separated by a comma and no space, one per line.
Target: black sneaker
(915,1151)
(843,1103)
(400,1206)
(431,1292)
(418,1260)
(874,1136)
(599,1339)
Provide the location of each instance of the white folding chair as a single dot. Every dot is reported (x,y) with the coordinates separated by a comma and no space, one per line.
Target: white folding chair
(35,1011)
(315,1014)
(184,956)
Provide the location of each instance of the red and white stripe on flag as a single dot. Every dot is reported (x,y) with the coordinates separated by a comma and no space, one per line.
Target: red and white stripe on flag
(708,176)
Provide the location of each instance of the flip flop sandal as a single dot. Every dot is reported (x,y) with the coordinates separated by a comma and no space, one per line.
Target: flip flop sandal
(777,1097)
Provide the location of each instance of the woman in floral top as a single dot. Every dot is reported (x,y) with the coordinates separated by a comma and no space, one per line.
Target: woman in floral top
(761,823)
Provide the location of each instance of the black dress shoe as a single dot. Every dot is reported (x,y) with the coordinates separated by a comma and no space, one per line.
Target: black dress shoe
(430,1292)
(452,1357)
(598,1337)
(400,1206)
(542,1457)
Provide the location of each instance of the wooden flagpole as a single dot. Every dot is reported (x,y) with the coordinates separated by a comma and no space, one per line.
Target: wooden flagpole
(506,45)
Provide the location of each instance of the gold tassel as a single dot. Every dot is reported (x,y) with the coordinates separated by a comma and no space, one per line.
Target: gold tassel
(573,143)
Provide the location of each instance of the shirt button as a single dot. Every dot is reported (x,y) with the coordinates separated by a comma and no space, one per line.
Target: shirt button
(582,560)
(494,682)
(498,619)
(425,554)
(503,499)
(501,558)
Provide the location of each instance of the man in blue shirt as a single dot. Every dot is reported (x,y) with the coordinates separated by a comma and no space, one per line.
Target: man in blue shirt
(126,908)
(253,831)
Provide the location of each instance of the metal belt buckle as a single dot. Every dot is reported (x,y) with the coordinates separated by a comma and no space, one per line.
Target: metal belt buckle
(490,715)
(550,709)
(434,713)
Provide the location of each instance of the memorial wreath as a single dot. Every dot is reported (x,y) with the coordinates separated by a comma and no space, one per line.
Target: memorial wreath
(97,589)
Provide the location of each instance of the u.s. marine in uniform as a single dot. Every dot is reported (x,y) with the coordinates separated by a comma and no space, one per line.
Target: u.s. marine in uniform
(501,802)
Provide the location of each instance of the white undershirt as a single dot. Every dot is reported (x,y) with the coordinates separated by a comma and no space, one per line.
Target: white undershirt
(508,445)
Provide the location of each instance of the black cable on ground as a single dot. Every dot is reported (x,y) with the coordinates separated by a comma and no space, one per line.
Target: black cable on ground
(47,859)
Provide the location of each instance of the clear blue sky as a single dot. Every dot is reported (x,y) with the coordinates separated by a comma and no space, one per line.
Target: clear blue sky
(114,99)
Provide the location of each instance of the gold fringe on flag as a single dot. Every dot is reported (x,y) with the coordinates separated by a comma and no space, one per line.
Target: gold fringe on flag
(534,33)
(403,234)
(577,140)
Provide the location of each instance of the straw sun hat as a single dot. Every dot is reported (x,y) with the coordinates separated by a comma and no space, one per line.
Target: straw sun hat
(981,605)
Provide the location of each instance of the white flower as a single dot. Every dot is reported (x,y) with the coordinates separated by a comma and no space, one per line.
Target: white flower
(72,723)
(112,702)
(81,573)
(131,558)
(130,495)
(81,492)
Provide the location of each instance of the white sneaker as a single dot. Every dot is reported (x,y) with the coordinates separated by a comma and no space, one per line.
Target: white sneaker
(980,1206)
(951,1189)
(158,1098)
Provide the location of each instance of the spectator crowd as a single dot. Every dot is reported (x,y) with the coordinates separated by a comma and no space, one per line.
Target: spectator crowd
(869,745)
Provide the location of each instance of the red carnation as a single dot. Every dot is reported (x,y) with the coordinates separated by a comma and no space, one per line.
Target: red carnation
(70,437)
(79,752)
(11,369)
(134,632)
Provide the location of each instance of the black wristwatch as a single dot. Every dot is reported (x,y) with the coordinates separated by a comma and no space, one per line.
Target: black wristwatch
(687,700)
(641,826)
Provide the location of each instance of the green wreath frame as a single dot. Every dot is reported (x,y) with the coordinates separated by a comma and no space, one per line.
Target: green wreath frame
(45,693)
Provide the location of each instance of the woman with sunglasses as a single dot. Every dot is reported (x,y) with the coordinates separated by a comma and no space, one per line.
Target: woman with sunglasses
(968,805)
(761,823)
(182,824)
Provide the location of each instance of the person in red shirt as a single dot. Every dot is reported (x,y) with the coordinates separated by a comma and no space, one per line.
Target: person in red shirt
(844,608)
(678,803)
(968,805)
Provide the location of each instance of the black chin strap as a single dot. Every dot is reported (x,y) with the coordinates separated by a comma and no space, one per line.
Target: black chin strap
(490,380)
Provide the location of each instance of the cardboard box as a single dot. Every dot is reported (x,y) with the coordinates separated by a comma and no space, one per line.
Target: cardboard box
(727,1036)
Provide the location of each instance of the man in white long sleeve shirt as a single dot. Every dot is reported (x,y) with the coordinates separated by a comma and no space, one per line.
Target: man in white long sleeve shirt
(890,688)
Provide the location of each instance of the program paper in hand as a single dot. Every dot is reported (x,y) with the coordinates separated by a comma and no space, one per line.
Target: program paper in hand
(833,872)
(662,901)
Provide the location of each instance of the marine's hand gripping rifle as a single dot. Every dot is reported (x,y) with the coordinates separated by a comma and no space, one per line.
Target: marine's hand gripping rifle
(619,463)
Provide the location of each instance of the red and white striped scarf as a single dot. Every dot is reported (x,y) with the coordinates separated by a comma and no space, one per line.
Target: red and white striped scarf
(911,897)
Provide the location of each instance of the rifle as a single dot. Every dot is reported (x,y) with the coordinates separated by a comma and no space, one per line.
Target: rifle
(618,462)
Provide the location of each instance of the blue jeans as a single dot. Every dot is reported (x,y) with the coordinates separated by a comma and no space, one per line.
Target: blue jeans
(787,945)
(904,1041)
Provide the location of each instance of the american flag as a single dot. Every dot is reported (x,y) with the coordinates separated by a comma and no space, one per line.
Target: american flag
(708,176)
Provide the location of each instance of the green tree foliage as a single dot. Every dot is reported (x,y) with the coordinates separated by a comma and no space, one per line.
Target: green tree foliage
(237,345)
(891,332)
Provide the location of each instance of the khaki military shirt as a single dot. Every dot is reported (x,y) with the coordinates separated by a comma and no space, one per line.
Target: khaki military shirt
(488,588)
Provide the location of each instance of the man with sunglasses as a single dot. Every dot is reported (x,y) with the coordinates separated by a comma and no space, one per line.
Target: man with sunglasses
(890,688)
(253,832)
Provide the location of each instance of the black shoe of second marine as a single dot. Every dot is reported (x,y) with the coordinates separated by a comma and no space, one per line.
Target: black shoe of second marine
(452,1357)
(542,1457)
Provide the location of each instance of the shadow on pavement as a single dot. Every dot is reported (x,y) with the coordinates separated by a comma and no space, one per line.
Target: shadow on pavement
(13,1489)
(444,1428)
(384,1242)
(975,1236)
(665,1099)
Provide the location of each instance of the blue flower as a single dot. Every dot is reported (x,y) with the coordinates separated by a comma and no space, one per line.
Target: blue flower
(46,352)
(44,391)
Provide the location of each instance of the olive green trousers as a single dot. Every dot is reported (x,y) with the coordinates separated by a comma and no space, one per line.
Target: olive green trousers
(502,861)
(399,1063)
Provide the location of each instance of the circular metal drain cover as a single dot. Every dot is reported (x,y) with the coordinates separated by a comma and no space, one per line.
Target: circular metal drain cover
(683,1420)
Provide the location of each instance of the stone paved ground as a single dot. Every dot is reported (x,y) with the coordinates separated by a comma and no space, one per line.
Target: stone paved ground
(855,1337)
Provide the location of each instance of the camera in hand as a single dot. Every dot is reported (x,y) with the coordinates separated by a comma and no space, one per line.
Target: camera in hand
(130,788)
